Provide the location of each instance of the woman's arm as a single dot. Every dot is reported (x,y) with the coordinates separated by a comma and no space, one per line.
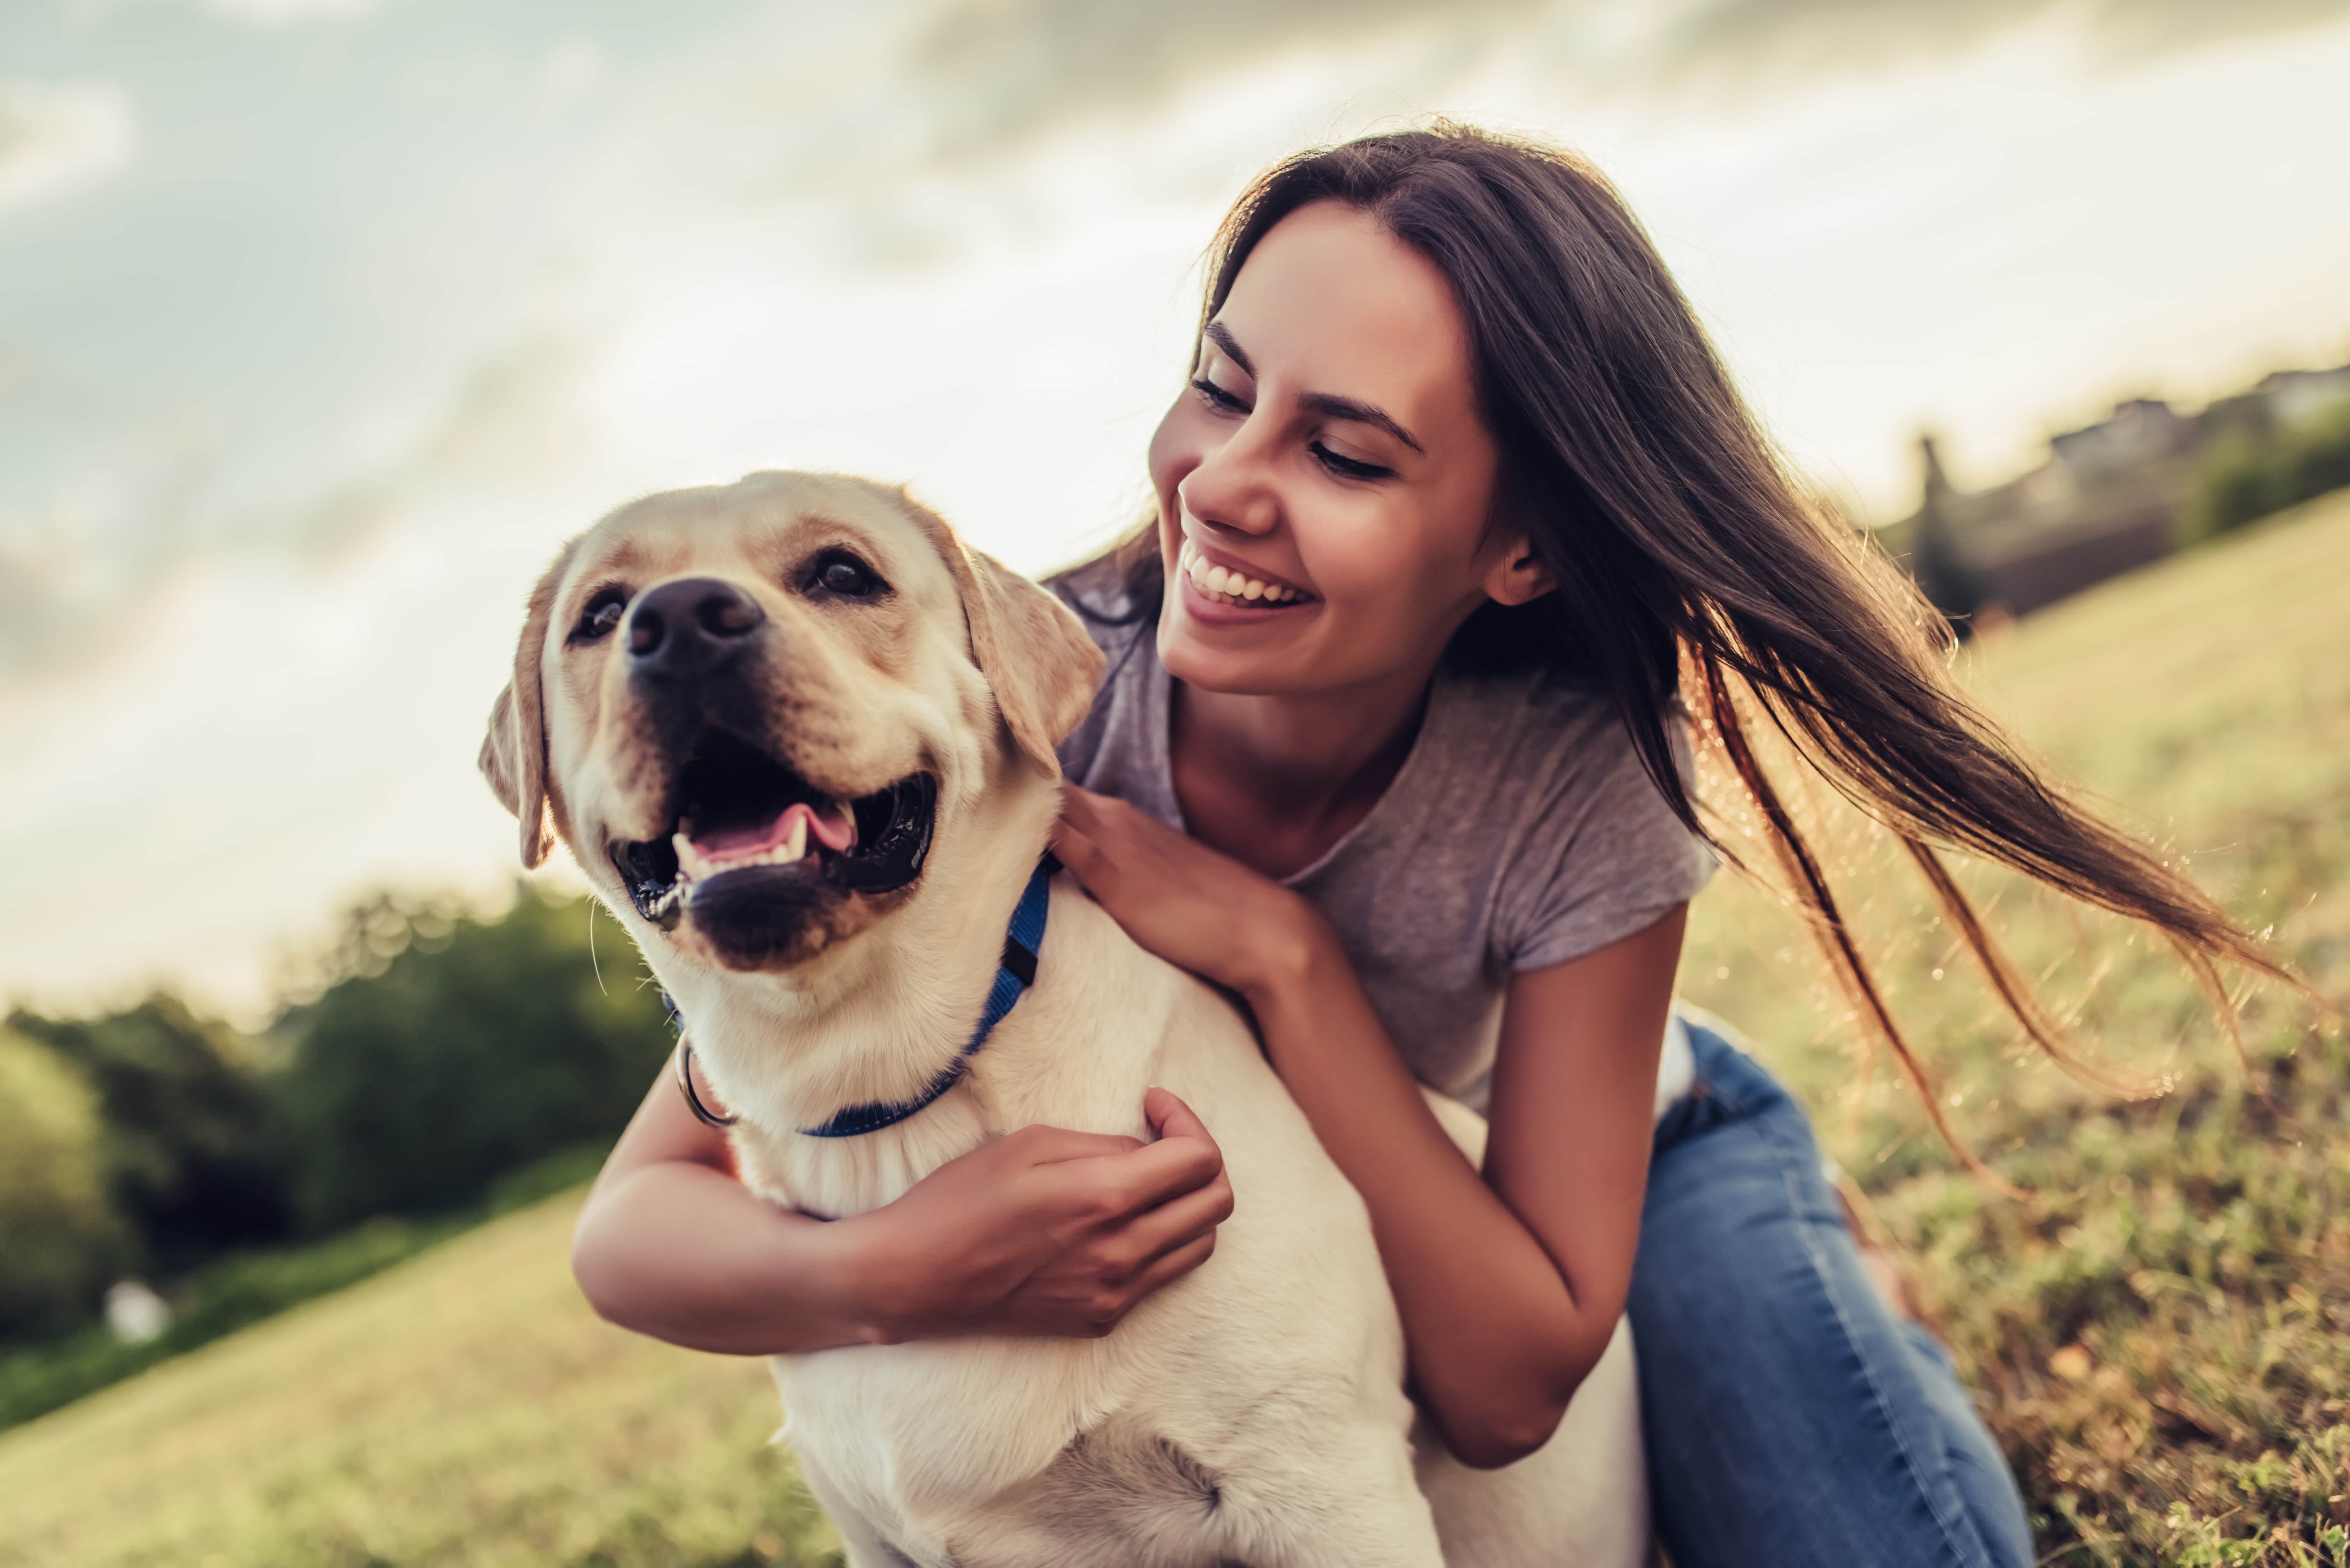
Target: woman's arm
(1046,1231)
(1509,1285)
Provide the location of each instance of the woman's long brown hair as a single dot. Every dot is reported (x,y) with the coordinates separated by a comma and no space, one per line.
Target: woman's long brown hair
(1687,561)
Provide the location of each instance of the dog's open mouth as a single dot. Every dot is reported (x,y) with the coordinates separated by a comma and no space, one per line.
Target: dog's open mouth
(746,824)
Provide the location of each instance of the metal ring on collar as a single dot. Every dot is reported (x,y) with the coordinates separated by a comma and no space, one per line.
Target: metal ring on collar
(701,1113)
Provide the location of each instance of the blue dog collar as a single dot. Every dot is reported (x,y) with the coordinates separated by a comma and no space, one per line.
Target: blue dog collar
(1014,975)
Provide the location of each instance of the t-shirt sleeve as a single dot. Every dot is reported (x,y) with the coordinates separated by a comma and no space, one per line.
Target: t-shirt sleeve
(1604,857)
(1099,597)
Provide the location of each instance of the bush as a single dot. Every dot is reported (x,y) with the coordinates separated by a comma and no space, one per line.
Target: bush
(60,1240)
(2248,473)
(449,1050)
(192,1154)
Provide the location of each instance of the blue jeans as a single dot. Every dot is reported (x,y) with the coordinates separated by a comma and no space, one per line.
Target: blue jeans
(1792,1418)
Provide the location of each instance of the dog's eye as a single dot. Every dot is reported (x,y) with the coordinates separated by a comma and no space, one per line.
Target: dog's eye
(601,615)
(839,572)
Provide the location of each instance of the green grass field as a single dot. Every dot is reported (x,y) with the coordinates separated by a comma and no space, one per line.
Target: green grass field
(2161,1328)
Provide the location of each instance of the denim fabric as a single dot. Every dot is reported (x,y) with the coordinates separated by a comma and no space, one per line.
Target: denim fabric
(1792,1418)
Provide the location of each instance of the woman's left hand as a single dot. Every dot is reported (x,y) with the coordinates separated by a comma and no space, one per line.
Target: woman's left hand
(1197,908)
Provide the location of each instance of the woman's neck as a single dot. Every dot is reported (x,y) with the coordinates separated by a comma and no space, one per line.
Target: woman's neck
(1275,780)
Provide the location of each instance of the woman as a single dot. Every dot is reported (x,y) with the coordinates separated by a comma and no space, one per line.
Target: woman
(1457,495)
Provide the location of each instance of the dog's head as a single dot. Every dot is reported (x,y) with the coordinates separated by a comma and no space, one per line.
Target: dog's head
(749,709)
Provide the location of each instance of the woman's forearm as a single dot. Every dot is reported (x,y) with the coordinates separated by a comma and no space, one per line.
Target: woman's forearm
(1043,1231)
(684,1253)
(1498,1337)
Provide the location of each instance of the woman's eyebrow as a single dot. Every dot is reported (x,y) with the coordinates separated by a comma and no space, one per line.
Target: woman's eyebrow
(1221,337)
(1332,406)
(1327,404)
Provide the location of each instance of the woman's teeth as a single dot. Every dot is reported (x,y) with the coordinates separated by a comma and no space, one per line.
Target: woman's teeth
(1238,587)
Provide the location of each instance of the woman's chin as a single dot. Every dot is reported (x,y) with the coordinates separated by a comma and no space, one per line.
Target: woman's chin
(1244,660)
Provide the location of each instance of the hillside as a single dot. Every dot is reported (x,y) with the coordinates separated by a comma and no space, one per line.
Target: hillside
(465,1408)
(2163,1326)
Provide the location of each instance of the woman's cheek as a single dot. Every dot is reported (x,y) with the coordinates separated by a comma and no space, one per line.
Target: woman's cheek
(1359,566)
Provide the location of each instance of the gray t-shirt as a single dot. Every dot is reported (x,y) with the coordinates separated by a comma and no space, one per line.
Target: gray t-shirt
(1520,832)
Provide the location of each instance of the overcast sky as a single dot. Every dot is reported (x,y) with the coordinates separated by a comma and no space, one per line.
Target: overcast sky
(322,322)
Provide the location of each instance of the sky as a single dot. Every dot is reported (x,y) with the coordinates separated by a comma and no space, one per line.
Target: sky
(323,322)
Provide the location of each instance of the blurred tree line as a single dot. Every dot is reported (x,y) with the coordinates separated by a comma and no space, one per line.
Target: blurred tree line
(429,1055)
(2253,466)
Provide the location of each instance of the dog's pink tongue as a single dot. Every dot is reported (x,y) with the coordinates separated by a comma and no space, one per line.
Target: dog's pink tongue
(834,829)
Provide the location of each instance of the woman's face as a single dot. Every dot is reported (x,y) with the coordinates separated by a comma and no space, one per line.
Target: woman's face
(1330,457)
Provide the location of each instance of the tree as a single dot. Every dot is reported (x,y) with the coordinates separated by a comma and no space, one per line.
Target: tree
(60,1240)
(447,1052)
(192,1153)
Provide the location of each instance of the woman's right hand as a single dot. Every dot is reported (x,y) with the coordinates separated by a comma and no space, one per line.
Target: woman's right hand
(1046,1231)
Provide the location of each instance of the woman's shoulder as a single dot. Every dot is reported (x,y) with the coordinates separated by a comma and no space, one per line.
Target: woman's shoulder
(1541,770)
(1097,590)
(1113,748)
(1543,760)
(1533,720)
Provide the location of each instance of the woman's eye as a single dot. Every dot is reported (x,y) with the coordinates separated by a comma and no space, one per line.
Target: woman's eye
(1348,467)
(1217,398)
(600,615)
(843,574)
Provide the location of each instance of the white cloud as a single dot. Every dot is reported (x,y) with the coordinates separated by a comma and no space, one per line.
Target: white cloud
(278,13)
(62,136)
(572,70)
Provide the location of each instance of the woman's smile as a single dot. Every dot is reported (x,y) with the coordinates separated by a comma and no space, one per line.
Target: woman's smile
(1220,578)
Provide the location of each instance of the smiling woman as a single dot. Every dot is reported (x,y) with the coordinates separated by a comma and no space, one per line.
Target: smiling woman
(1445,391)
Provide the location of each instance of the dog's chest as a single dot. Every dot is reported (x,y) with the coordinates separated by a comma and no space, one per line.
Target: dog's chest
(1014,1452)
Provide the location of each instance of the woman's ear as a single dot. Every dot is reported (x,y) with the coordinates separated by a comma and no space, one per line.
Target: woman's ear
(1519,575)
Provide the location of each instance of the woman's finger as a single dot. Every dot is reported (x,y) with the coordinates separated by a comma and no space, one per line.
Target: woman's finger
(1172,1266)
(1169,1117)
(1057,1145)
(1179,1221)
(1076,850)
(1081,805)
(1155,1173)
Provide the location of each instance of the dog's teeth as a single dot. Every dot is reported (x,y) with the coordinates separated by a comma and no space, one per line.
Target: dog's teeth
(688,859)
(795,846)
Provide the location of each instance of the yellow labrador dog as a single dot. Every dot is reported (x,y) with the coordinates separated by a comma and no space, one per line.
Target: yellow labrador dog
(802,740)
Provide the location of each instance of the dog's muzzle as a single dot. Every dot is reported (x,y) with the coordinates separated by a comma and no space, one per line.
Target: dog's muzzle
(751,848)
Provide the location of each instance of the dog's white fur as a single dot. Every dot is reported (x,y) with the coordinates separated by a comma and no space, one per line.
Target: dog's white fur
(1253,1411)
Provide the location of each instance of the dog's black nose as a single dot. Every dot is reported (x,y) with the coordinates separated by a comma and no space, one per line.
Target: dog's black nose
(688,626)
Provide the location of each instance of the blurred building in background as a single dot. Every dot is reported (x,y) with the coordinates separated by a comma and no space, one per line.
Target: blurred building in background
(2124,491)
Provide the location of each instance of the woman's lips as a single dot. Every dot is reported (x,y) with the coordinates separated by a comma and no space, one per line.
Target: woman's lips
(1234,585)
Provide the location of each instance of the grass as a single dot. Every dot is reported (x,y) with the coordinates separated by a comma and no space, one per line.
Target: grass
(243,1288)
(2161,1329)
(463,1408)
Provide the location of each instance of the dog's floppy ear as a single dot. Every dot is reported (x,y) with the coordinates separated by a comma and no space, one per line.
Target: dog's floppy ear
(1031,647)
(1035,654)
(514,754)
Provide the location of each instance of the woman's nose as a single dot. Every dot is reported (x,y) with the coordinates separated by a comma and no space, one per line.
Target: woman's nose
(1232,488)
